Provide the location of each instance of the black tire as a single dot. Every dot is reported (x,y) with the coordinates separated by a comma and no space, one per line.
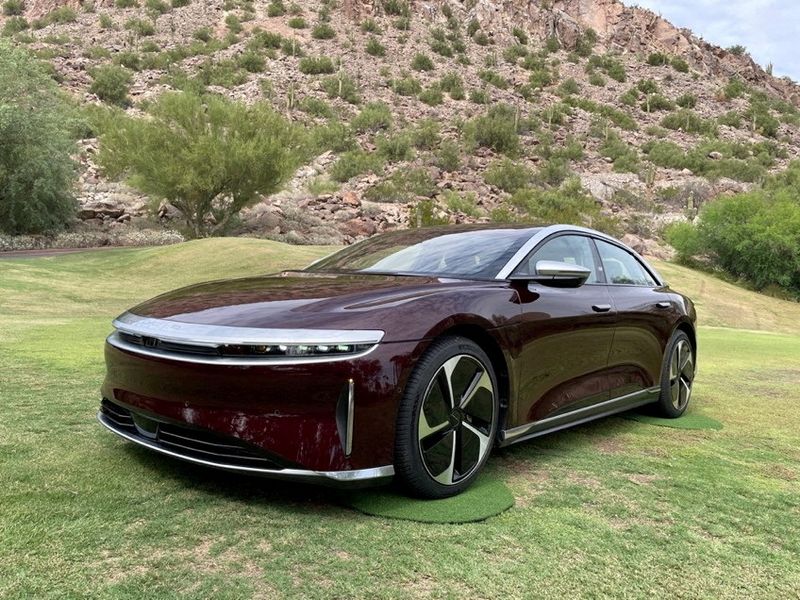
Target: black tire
(442,455)
(677,377)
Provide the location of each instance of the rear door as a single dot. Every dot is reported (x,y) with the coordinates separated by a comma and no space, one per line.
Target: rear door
(645,313)
(564,336)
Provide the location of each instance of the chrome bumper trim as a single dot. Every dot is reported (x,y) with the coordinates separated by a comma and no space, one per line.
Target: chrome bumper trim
(216,335)
(232,361)
(355,475)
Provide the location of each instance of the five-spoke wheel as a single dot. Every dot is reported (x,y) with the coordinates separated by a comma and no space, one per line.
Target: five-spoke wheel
(677,376)
(448,419)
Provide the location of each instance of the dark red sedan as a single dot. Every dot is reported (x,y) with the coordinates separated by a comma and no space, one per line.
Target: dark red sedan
(409,355)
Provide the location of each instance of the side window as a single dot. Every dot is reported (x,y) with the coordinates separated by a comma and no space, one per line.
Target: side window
(572,249)
(621,267)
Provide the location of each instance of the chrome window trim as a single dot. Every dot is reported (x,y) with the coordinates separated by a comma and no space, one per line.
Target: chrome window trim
(297,474)
(546,232)
(214,335)
(231,361)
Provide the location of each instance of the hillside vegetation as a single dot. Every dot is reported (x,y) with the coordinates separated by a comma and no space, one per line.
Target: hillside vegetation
(432,113)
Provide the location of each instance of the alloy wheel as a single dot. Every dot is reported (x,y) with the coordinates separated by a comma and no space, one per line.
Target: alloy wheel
(456,419)
(681,374)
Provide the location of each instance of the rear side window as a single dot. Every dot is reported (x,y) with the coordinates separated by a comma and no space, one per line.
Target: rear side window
(621,267)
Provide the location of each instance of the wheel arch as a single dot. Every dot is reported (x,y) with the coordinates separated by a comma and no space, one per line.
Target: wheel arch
(689,330)
(491,346)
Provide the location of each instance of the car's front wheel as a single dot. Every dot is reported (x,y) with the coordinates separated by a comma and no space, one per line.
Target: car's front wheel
(447,420)
(677,376)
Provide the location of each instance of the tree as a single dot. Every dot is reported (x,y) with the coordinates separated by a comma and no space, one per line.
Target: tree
(36,168)
(208,156)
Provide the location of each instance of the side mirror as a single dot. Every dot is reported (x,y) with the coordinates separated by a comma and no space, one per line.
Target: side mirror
(556,274)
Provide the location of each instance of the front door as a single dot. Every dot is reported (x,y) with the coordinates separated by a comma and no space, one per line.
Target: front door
(564,337)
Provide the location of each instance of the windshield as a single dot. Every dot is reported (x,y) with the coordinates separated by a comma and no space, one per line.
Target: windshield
(475,254)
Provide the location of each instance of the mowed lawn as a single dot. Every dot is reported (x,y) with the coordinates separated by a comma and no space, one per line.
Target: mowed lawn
(614,508)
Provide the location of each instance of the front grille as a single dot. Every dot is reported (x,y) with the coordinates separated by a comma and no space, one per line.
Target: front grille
(155,343)
(190,442)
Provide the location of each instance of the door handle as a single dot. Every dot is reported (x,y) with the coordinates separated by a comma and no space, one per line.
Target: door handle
(601,307)
(663,304)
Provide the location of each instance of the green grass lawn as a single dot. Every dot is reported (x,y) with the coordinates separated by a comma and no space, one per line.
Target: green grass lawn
(614,508)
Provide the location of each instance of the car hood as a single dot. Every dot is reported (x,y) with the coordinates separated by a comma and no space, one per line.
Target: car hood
(298,300)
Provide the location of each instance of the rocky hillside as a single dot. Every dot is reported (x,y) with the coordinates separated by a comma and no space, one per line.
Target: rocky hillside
(440,110)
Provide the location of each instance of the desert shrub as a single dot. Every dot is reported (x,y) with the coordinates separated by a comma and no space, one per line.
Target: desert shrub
(647,86)
(657,59)
(552,44)
(315,65)
(375,48)
(508,175)
(686,100)
(373,117)
(690,122)
(13,7)
(251,61)
(452,84)
(276,8)
(442,48)
(406,85)
(403,186)
(479,97)
(481,39)
(341,86)
(233,23)
(180,3)
(731,119)
(432,96)
(140,27)
(371,26)
(448,157)
(497,129)
(225,73)
(334,136)
(111,84)
(624,156)
(568,87)
(355,162)
(126,3)
(14,25)
(323,31)
(493,78)
(620,118)
(395,148)
(204,34)
(520,35)
(569,203)
(760,119)
(609,64)
(291,47)
(297,23)
(36,168)
(597,79)
(514,52)
(679,64)
(654,102)
(150,46)
(316,107)
(425,135)
(585,43)
(737,50)
(263,40)
(553,171)
(396,8)
(129,60)
(735,88)
(630,97)
(422,62)
(157,7)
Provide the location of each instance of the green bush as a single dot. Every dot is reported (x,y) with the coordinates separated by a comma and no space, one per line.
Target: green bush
(394,148)
(111,84)
(126,3)
(13,7)
(690,122)
(760,119)
(36,168)
(508,175)
(14,25)
(425,135)
(753,236)
(568,87)
(204,34)
(596,79)
(263,40)
(448,157)
(355,162)
(371,26)
(609,64)
(453,85)
(129,60)
(552,44)
(316,107)
(422,62)
(403,186)
(157,7)
(323,31)
(180,3)
(140,27)
(251,61)
(225,73)
(373,117)
(496,130)
(334,136)
(208,156)
(396,8)
(316,65)
(520,35)
(432,96)
(493,78)
(341,86)
(479,97)
(406,85)
(233,23)
(686,100)
(297,23)
(679,64)
(657,59)
(735,88)
(654,102)
(375,48)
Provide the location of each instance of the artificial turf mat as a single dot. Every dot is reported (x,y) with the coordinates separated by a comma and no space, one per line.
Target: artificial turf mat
(691,420)
(486,498)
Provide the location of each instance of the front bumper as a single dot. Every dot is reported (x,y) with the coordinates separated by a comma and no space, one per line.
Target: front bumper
(218,461)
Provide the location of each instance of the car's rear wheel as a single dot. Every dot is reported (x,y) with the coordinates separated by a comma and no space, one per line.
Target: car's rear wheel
(447,420)
(677,376)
